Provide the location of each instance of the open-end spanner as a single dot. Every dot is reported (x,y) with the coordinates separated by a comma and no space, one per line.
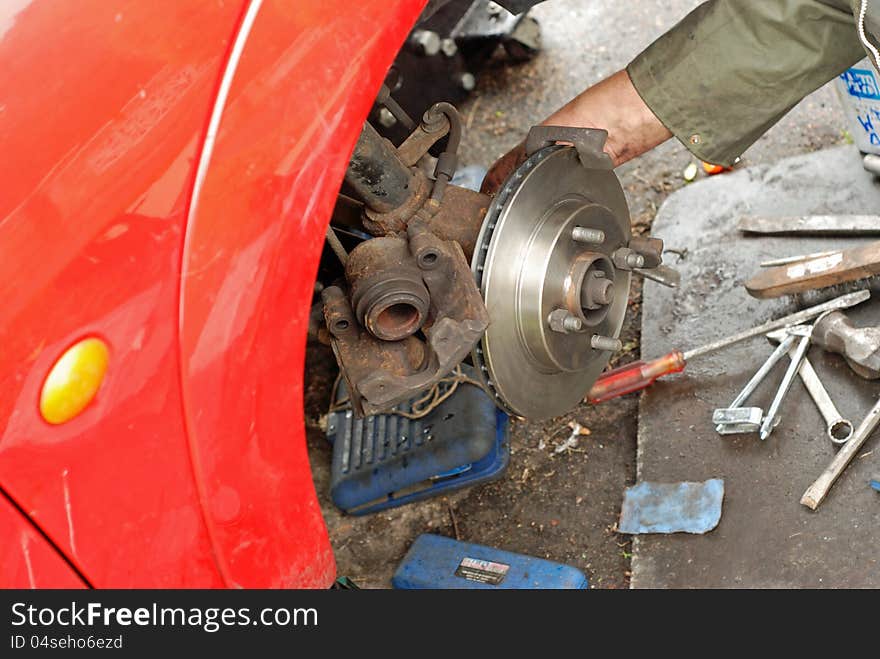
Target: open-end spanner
(797,359)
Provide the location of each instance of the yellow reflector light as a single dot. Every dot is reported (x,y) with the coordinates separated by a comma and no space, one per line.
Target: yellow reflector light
(74,380)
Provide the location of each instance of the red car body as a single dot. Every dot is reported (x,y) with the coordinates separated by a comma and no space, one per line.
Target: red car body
(167,172)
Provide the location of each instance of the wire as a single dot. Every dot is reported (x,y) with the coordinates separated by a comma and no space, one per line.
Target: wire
(447,162)
(424,405)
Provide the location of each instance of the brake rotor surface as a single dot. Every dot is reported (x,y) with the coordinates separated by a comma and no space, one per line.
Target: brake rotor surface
(528,265)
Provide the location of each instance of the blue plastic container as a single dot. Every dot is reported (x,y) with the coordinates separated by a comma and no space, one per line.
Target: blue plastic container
(443,563)
(387,460)
(859,89)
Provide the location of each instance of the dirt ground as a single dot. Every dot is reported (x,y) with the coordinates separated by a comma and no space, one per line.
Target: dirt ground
(560,506)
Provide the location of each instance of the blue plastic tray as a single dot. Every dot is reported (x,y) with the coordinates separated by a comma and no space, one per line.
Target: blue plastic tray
(387,460)
(437,562)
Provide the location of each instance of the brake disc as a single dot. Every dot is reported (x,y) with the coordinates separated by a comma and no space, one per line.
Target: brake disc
(544,266)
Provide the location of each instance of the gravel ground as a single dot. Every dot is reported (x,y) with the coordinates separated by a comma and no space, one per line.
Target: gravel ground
(560,506)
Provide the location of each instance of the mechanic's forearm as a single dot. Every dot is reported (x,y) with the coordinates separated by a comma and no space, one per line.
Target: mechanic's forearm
(615,105)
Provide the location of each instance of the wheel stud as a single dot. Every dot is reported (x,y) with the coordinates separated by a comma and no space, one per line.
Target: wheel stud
(565,322)
(605,343)
(589,236)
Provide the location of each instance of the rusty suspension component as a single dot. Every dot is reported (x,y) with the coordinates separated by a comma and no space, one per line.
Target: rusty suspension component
(382,373)
(377,174)
(412,310)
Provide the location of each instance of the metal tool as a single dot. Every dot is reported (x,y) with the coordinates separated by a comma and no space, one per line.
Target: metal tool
(662,274)
(812,225)
(728,419)
(860,346)
(737,420)
(788,260)
(640,375)
(797,359)
(817,492)
(839,429)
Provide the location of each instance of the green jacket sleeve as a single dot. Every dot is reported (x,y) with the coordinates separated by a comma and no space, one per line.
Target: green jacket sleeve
(732,68)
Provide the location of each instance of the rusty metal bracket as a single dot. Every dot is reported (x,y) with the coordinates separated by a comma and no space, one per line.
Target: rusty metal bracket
(650,248)
(421,139)
(394,221)
(588,142)
(381,374)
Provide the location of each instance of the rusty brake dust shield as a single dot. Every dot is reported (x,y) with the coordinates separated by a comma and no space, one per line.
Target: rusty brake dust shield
(553,262)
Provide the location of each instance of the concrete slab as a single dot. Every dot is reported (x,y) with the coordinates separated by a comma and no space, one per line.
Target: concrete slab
(766,539)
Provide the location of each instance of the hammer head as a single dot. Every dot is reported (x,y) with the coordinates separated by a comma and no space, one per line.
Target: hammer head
(860,346)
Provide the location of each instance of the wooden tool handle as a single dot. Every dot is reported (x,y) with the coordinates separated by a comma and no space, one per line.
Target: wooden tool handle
(818,490)
(835,268)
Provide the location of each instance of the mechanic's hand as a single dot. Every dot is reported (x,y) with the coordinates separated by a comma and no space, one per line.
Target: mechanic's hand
(613,104)
(502,168)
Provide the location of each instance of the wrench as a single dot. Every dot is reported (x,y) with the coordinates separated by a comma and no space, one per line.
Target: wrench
(839,430)
(800,353)
(786,341)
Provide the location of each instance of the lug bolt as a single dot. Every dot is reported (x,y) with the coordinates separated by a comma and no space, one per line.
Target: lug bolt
(635,260)
(587,235)
(425,42)
(467,81)
(564,322)
(386,118)
(448,47)
(627,259)
(605,343)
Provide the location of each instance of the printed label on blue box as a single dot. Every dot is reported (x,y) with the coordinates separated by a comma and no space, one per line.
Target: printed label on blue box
(861,83)
(474,569)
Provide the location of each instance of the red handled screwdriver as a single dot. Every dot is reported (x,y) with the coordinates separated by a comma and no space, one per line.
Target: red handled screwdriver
(640,375)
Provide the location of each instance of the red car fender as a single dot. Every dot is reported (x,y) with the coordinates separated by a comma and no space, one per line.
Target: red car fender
(169,170)
(253,241)
(27,559)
